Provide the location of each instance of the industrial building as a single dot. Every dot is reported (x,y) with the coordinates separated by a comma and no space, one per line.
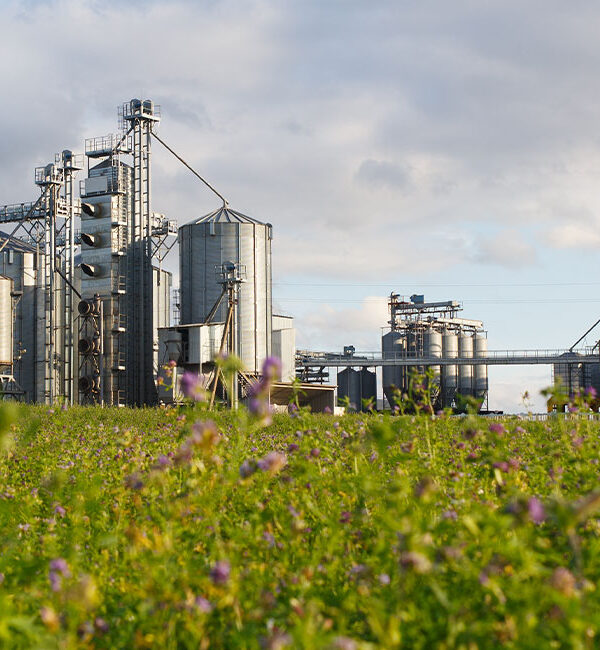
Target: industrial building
(432,329)
(85,305)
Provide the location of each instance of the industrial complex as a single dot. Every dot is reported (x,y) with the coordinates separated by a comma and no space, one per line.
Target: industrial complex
(87,312)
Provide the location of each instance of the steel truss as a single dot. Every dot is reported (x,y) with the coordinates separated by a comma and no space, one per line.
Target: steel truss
(47,223)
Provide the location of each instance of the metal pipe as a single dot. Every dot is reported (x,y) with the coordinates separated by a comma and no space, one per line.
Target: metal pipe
(181,160)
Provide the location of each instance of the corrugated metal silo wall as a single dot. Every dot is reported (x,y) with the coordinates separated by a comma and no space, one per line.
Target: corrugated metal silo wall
(161,307)
(6,320)
(203,248)
(393,344)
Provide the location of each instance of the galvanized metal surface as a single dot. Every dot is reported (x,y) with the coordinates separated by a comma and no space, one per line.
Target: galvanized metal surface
(6,321)
(393,345)
(450,371)
(480,371)
(356,386)
(432,347)
(205,244)
(465,372)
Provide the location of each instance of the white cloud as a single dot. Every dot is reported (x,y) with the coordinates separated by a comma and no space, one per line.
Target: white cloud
(506,248)
(574,235)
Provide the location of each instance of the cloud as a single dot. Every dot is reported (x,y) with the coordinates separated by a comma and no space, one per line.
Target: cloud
(359,326)
(381,173)
(507,249)
(573,235)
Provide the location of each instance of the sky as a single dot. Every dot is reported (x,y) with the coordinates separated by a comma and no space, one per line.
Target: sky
(450,149)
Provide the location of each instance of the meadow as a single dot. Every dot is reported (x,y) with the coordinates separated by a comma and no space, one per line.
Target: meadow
(178,528)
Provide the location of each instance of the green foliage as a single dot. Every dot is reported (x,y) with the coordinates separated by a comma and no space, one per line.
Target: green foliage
(157,528)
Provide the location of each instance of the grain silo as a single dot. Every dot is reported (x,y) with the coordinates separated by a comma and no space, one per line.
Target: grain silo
(6,318)
(465,372)
(480,370)
(226,235)
(450,372)
(432,331)
(359,386)
(393,345)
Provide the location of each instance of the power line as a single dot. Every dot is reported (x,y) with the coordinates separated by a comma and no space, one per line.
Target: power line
(421,284)
(470,301)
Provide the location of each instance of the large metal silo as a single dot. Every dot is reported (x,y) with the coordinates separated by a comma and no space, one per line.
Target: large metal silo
(393,345)
(229,236)
(414,348)
(465,373)
(432,347)
(480,371)
(6,320)
(449,372)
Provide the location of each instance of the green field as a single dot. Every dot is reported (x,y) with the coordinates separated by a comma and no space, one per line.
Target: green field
(150,528)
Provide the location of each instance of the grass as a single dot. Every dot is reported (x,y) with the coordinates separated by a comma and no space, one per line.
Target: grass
(150,528)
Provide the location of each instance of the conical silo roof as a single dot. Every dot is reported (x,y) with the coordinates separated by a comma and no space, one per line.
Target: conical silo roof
(225,214)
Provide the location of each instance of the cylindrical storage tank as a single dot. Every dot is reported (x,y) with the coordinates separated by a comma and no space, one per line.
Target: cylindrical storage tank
(6,319)
(368,387)
(414,350)
(393,346)
(432,347)
(480,371)
(449,372)
(591,376)
(465,373)
(229,236)
(569,375)
(348,382)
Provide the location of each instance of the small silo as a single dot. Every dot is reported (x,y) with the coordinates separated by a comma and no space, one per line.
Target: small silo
(357,386)
(570,376)
(591,376)
(229,236)
(6,321)
(414,349)
(480,371)
(465,373)
(368,384)
(393,346)
(449,372)
(432,347)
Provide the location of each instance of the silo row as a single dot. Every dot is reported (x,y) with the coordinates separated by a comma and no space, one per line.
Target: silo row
(447,380)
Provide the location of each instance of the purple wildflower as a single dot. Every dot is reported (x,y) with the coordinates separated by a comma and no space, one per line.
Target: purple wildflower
(220,572)
(247,468)
(101,625)
(497,428)
(271,369)
(58,569)
(269,538)
(537,514)
(384,579)
(192,386)
(203,605)
(272,462)
(344,643)
(163,461)
(60,565)
(59,510)
(345,517)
